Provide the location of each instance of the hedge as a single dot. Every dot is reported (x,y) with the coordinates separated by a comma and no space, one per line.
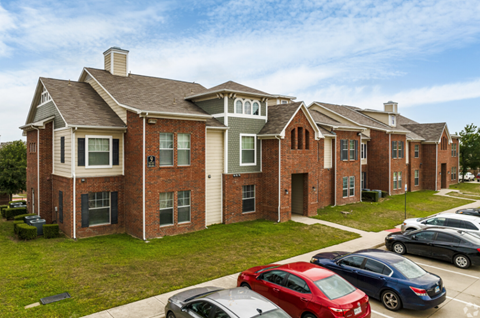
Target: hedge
(2,209)
(15,227)
(26,232)
(21,217)
(10,213)
(370,196)
(50,230)
(384,194)
(19,201)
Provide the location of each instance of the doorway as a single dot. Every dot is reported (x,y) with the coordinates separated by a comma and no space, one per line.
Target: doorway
(297,193)
(444,175)
(33,201)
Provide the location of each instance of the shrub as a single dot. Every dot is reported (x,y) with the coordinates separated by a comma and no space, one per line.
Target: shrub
(20,201)
(26,232)
(370,196)
(21,217)
(2,209)
(15,227)
(384,194)
(10,213)
(50,230)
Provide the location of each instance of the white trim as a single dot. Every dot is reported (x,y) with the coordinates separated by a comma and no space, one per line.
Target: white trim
(143,179)
(279,177)
(206,178)
(261,147)
(343,188)
(53,148)
(55,104)
(227,91)
(110,165)
(123,155)
(73,149)
(313,124)
(63,128)
(436,166)
(266,111)
(254,198)
(99,127)
(218,128)
(254,150)
(243,114)
(189,149)
(111,62)
(389,163)
(335,173)
(248,116)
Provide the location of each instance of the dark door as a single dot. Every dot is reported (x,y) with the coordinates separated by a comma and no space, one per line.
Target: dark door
(295,296)
(444,175)
(268,285)
(445,246)
(372,277)
(297,193)
(348,268)
(420,243)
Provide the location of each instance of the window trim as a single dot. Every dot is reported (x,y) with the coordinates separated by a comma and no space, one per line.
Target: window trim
(254,150)
(344,156)
(343,187)
(109,210)
(416,179)
(363,151)
(87,163)
(172,208)
(165,149)
(184,206)
(395,184)
(399,180)
(254,198)
(243,100)
(349,187)
(189,149)
(416,151)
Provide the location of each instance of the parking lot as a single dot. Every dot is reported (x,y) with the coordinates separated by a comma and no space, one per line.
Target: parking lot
(463,292)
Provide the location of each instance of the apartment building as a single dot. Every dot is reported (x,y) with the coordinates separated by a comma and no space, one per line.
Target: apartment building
(116,152)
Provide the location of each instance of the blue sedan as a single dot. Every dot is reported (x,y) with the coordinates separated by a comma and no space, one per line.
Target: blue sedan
(393,279)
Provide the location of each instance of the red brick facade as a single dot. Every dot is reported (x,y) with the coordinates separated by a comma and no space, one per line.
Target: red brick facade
(414,164)
(348,168)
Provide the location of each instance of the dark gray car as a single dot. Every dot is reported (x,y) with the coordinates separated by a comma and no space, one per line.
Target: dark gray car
(214,302)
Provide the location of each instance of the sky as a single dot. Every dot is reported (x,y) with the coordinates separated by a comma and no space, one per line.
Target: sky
(424,55)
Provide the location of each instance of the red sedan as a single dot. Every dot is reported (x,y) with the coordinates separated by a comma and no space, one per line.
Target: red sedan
(304,290)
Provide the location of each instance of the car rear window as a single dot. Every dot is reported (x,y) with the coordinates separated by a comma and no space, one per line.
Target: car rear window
(264,269)
(335,287)
(276,313)
(471,238)
(409,269)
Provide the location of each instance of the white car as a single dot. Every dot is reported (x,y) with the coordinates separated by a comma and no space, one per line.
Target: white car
(468,223)
(469,176)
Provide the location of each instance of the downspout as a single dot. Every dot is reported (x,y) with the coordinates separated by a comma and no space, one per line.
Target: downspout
(436,166)
(389,163)
(279,175)
(38,169)
(143,187)
(335,175)
(74,186)
(361,174)
(206,177)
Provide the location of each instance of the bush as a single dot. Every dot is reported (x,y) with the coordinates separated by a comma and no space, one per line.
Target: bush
(26,232)
(10,213)
(19,201)
(384,194)
(2,209)
(15,227)
(21,217)
(50,230)
(370,196)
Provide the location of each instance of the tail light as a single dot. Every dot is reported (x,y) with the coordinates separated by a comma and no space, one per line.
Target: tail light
(478,249)
(338,312)
(419,291)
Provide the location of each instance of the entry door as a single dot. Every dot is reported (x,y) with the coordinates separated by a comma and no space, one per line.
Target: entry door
(297,193)
(33,201)
(444,175)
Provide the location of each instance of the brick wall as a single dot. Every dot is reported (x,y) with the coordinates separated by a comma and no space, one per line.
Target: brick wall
(378,157)
(445,157)
(429,166)
(66,186)
(347,168)
(398,165)
(270,178)
(414,164)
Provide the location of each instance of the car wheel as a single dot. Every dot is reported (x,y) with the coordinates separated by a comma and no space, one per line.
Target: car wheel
(399,248)
(308,315)
(410,229)
(246,285)
(461,261)
(391,300)
(170,315)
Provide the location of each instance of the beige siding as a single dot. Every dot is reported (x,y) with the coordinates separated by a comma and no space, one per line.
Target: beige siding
(364,161)
(332,115)
(327,156)
(121,112)
(108,62)
(119,64)
(366,132)
(63,169)
(99,172)
(214,168)
(382,117)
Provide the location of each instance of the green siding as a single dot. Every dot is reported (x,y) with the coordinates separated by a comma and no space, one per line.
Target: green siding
(220,119)
(236,127)
(231,107)
(48,110)
(213,106)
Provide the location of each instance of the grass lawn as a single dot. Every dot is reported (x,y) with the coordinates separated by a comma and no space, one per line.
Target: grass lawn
(377,216)
(462,195)
(108,271)
(467,188)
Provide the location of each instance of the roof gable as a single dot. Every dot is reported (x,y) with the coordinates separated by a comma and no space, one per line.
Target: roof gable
(429,132)
(232,87)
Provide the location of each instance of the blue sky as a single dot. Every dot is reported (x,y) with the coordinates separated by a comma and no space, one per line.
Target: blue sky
(422,54)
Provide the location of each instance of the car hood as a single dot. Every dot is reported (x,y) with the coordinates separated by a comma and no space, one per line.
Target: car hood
(182,297)
(330,255)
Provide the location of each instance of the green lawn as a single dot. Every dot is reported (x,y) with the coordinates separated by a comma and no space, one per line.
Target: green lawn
(377,216)
(463,195)
(467,188)
(109,271)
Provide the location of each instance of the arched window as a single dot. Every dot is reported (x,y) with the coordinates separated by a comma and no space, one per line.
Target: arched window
(300,138)
(307,139)
(239,107)
(248,108)
(256,108)
(292,137)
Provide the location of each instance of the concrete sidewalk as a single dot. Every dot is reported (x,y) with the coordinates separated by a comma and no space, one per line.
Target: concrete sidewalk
(153,307)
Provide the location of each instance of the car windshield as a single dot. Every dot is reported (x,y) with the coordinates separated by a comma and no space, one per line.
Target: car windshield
(335,287)
(264,269)
(276,313)
(409,269)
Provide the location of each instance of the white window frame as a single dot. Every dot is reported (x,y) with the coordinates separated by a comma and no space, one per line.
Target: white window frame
(184,206)
(351,150)
(416,153)
(103,207)
(172,208)
(243,114)
(395,184)
(399,180)
(343,185)
(392,120)
(44,97)
(350,189)
(254,150)
(254,198)
(189,150)
(87,165)
(363,154)
(416,178)
(169,149)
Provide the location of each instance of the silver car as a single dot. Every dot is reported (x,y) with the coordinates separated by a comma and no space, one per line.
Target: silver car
(468,223)
(214,302)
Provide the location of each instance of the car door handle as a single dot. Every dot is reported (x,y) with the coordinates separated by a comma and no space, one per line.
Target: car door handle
(303,299)
(276,290)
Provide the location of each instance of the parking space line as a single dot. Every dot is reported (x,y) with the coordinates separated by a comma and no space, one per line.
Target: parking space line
(379,313)
(446,270)
(464,302)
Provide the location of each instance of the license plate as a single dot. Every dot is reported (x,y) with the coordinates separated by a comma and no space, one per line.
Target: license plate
(358,310)
(437,289)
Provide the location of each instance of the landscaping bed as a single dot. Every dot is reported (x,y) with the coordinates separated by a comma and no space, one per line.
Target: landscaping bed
(109,271)
(389,212)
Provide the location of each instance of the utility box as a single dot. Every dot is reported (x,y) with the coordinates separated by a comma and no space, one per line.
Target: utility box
(28,219)
(38,223)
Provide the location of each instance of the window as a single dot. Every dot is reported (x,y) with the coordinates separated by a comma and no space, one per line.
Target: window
(425,236)
(394,149)
(394,181)
(183,201)
(248,198)
(247,107)
(166,149)
(352,186)
(335,287)
(400,149)
(352,149)
(300,138)
(45,97)
(353,261)
(183,149)
(201,308)
(33,147)
(344,149)
(455,223)
(297,284)
(292,137)
(220,313)
(453,174)
(400,180)
(274,277)
(256,108)
(454,149)
(364,180)
(62,149)
(99,151)
(345,187)
(436,221)
(166,208)
(469,226)
(99,208)
(417,177)
(363,151)
(376,267)
(443,237)
(307,139)
(417,151)
(248,150)
(392,120)
(284,102)
(239,107)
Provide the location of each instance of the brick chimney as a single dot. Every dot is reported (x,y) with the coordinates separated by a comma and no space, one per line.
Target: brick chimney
(116,61)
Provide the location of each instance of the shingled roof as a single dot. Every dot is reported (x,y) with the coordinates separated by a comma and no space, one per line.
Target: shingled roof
(323,119)
(150,94)
(80,104)
(278,118)
(229,86)
(430,132)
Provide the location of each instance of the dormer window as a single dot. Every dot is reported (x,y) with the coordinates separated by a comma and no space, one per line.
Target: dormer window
(45,97)
(392,120)
(247,107)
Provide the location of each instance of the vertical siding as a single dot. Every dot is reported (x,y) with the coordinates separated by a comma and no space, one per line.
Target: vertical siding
(328,153)
(121,112)
(63,169)
(214,168)
(108,62)
(119,64)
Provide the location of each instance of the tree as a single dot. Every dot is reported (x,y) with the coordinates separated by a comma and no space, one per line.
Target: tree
(470,148)
(13,168)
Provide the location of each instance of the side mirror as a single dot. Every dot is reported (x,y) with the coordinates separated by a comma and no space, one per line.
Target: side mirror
(184,309)
(414,237)
(424,222)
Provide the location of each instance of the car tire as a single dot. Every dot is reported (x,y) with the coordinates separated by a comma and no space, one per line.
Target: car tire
(461,261)
(399,248)
(308,315)
(170,315)
(411,229)
(391,300)
(246,285)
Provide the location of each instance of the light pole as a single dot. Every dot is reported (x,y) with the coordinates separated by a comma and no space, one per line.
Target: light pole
(406,187)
